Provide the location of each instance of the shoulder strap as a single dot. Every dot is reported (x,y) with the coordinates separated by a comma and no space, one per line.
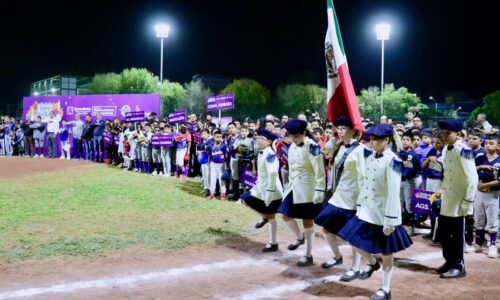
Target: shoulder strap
(339,168)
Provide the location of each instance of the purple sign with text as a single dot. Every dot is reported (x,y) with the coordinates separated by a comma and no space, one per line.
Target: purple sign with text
(109,106)
(247,178)
(166,140)
(134,116)
(421,204)
(219,102)
(177,117)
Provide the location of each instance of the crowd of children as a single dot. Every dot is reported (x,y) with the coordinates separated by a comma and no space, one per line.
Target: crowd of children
(357,186)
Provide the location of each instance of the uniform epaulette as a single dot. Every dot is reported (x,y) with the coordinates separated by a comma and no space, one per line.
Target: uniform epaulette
(367,152)
(271,157)
(397,165)
(314,149)
(467,153)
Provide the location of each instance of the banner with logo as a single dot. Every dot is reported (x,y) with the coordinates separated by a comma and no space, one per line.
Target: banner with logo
(219,102)
(421,203)
(177,117)
(134,116)
(247,178)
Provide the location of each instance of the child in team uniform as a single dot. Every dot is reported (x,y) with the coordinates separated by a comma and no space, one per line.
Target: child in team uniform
(202,156)
(411,165)
(183,145)
(138,164)
(38,135)
(165,154)
(156,151)
(145,139)
(64,137)
(433,172)
(487,197)
(265,195)
(377,227)
(217,156)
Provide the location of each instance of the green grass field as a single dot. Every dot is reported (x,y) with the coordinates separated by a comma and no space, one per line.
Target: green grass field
(93,209)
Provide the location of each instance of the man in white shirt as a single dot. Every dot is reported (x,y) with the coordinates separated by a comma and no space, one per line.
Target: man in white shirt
(52,129)
(481,120)
(77,136)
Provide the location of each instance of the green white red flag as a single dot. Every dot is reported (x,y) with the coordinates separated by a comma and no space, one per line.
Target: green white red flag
(340,91)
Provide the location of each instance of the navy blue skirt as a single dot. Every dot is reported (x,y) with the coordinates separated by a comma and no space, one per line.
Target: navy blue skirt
(260,205)
(333,218)
(306,211)
(371,238)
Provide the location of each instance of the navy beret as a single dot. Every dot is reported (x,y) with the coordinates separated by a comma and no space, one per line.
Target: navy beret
(267,134)
(381,130)
(296,126)
(343,121)
(454,125)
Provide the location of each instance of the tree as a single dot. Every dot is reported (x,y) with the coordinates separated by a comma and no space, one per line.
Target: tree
(251,98)
(107,83)
(196,93)
(172,96)
(396,102)
(294,99)
(138,81)
(491,106)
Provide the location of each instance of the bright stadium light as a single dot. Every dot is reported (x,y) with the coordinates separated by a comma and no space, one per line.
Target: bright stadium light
(36,93)
(53,90)
(382,30)
(162,31)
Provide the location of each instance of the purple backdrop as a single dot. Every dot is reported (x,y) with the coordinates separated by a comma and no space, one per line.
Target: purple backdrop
(110,106)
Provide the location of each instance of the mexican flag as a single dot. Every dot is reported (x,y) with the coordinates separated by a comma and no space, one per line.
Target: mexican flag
(340,94)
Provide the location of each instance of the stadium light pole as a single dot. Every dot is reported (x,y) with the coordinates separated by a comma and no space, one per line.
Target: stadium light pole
(382,30)
(162,31)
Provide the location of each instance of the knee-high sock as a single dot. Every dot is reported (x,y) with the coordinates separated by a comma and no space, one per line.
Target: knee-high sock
(273,229)
(356,258)
(332,242)
(309,237)
(294,228)
(387,268)
(370,259)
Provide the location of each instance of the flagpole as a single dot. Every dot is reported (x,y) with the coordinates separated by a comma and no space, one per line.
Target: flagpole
(382,83)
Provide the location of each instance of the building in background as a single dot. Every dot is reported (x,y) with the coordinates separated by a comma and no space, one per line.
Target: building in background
(61,85)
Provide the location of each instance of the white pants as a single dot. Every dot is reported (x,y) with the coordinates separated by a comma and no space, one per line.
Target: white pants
(2,146)
(216,171)
(179,157)
(8,146)
(133,145)
(405,194)
(433,185)
(64,153)
(418,182)
(165,160)
(234,168)
(205,174)
(486,211)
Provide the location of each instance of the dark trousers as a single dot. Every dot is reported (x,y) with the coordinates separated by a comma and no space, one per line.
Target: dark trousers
(77,148)
(194,165)
(99,148)
(451,235)
(51,141)
(89,148)
(29,145)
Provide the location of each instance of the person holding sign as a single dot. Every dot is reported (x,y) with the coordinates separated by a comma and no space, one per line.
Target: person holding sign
(348,178)
(183,144)
(202,157)
(156,151)
(377,227)
(304,193)
(459,188)
(265,195)
(165,151)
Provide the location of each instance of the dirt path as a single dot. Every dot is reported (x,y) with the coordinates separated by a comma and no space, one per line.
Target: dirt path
(18,167)
(234,268)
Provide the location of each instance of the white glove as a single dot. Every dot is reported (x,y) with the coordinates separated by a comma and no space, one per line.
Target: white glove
(465,206)
(267,197)
(388,230)
(318,197)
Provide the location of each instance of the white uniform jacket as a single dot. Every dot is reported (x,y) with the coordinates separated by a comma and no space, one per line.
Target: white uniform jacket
(268,185)
(379,195)
(460,179)
(307,171)
(352,177)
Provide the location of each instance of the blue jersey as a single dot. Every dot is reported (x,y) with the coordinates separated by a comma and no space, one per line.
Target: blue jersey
(411,164)
(217,154)
(230,143)
(435,169)
(489,175)
(64,133)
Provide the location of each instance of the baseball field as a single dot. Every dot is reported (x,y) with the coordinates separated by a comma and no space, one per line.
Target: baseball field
(78,230)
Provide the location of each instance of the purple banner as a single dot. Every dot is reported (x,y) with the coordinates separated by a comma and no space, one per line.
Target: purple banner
(219,102)
(247,178)
(134,116)
(110,106)
(421,204)
(177,117)
(166,140)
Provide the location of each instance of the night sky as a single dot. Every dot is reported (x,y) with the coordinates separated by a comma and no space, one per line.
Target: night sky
(435,46)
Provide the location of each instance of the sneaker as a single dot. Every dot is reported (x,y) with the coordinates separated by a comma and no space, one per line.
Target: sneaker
(36,156)
(223,197)
(492,251)
(154,173)
(41,156)
(211,196)
(62,157)
(68,158)
(470,248)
